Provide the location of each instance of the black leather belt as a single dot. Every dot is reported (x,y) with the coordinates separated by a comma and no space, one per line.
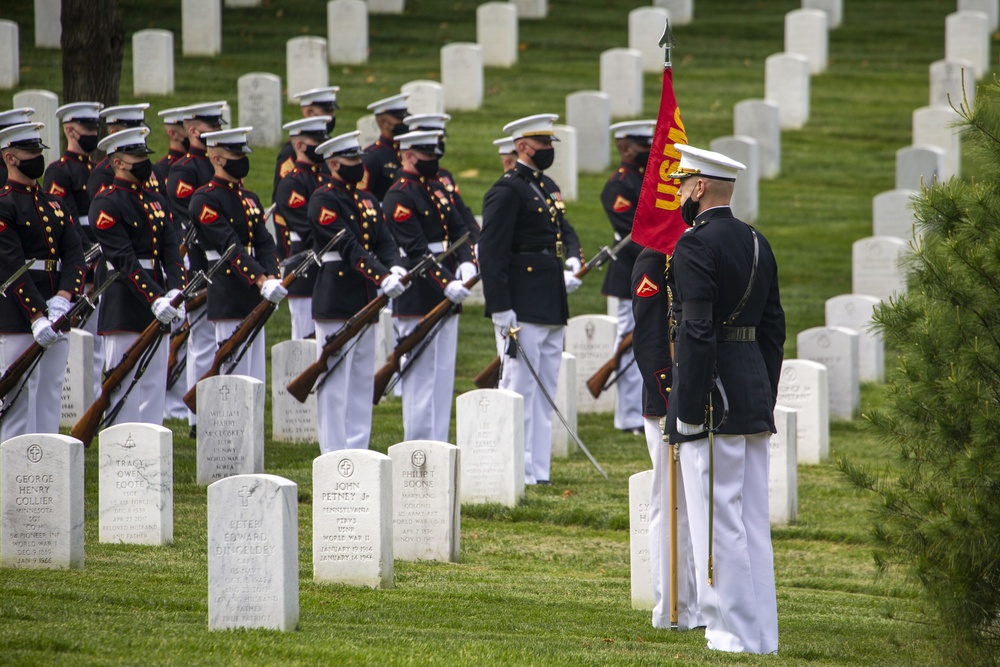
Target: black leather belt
(556,250)
(739,334)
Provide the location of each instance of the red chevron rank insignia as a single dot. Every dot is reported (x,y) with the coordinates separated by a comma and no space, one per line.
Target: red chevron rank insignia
(326,216)
(621,204)
(104,221)
(57,190)
(184,189)
(401,214)
(208,215)
(296,200)
(647,287)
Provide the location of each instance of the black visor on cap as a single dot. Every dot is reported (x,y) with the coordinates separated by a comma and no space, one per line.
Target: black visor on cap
(126,123)
(211,120)
(236,148)
(134,149)
(399,114)
(28,145)
(325,106)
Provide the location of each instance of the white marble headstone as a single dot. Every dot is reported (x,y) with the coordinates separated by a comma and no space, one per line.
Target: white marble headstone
(45,103)
(347,32)
(804,386)
(385,338)
(48,24)
(786,83)
(782,471)
(621,80)
(260,107)
(531,9)
(645,27)
(855,311)
(496,33)
(230,427)
(78,383)
(640,487)
(306,59)
(834,10)
(153,62)
(41,502)
(10,55)
(490,434)
(386,6)
(292,421)
(950,81)
(806,33)
(253,553)
(919,167)
(425,96)
(136,491)
(564,167)
(837,349)
(589,113)
(201,27)
(761,120)
(937,126)
(892,214)
(745,200)
(875,266)
(967,37)
(563,444)
(681,11)
(462,76)
(426,508)
(368,128)
(989,7)
(352,518)
(591,339)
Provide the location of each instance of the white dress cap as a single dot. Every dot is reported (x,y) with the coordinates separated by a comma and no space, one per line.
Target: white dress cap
(87,113)
(394,104)
(210,112)
(24,135)
(321,97)
(16,116)
(130,115)
(312,125)
(699,162)
(505,146)
(172,116)
(427,121)
(342,145)
(634,129)
(539,125)
(425,141)
(233,139)
(131,140)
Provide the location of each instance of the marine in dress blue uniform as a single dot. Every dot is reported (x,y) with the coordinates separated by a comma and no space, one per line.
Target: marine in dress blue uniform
(226,213)
(117,119)
(423,220)
(291,200)
(507,153)
(314,102)
(529,253)
(730,334)
(350,277)
(382,159)
(139,240)
(34,226)
(9,119)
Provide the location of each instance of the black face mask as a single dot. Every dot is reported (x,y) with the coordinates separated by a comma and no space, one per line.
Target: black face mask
(88,142)
(312,155)
(186,143)
(330,124)
(642,158)
(237,168)
(441,148)
(400,128)
(689,211)
(352,173)
(543,158)
(427,168)
(33,168)
(141,170)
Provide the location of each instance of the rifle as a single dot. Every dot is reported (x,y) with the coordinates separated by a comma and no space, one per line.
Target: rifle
(26,360)
(303,385)
(254,322)
(405,344)
(188,239)
(179,338)
(598,382)
(489,377)
(91,420)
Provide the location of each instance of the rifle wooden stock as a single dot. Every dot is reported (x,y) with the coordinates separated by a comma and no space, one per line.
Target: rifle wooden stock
(489,377)
(426,324)
(180,338)
(599,380)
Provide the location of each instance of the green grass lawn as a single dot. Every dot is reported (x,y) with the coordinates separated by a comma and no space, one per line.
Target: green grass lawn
(547,582)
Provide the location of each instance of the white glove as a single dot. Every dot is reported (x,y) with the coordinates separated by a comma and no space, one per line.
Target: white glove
(273,290)
(398,271)
(163,311)
(43,332)
(689,429)
(392,286)
(181,309)
(455,291)
(572,282)
(505,320)
(58,306)
(574,264)
(466,270)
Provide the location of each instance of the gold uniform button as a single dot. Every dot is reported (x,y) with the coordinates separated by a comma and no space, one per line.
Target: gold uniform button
(48,229)
(663,376)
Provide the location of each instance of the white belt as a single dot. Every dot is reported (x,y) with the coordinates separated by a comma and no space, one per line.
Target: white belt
(45,265)
(84,220)
(212,256)
(331,257)
(144,263)
(437,246)
(294,236)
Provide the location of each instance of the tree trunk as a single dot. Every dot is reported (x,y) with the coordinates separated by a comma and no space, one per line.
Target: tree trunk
(93,40)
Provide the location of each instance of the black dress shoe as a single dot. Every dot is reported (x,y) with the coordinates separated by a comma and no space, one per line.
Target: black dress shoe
(193,433)
(543,482)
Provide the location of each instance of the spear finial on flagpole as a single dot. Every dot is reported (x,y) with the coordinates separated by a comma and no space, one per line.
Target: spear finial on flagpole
(667,43)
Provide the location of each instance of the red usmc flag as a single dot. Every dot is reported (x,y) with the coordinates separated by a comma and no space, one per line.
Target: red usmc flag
(657,223)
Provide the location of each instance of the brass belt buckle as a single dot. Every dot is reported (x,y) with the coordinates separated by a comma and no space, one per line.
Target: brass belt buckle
(51,264)
(560,250)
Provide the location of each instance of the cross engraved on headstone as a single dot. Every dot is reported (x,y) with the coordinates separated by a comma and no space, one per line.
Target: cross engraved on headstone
(245,494)
(484,405)
(129,442)
(224,390)
(34,453)
(419,458)
(345,467)
(589,329)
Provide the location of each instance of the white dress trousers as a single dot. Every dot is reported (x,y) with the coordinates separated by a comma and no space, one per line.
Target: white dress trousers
(344,400)
(253,362)
(429,382)
(688,616)
(740,607)
(37,409)
(201,348)
(628,401)
(543,344)
(300,308)
(145,403)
